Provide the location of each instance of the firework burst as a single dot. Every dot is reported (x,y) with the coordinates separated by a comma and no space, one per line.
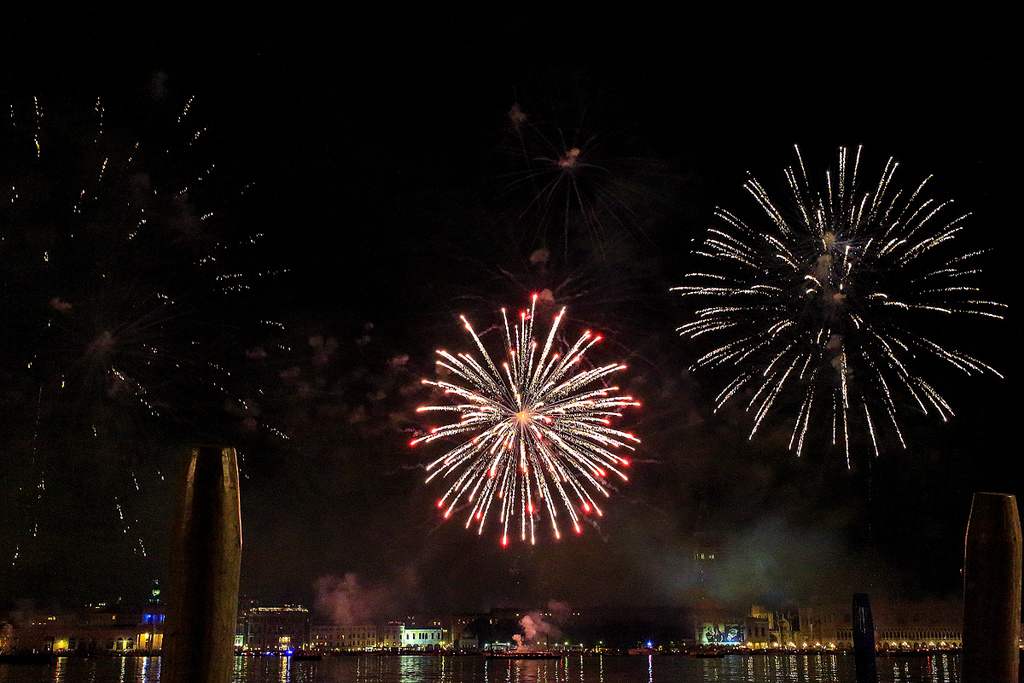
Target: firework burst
(113,266)
(117,266)
(574,185)
(541,430)
(831,301)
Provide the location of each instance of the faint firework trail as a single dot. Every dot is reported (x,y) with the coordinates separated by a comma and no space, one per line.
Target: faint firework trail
(122,277)
(575,181)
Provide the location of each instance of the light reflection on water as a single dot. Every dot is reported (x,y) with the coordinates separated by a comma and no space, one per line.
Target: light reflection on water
(83,670)
(941,668)
(818,668)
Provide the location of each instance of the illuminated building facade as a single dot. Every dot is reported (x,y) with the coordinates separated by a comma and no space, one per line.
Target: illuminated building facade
(390,636)
(151,637)
(274,629)
(463,635)
(757,630)
(898,626)
(95,630)
(930,624)
(423,639)
(335,638)
(924,625)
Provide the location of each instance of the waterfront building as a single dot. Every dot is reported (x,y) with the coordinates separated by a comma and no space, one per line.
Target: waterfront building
(338,638)
(463,631)
(757,630)
(274,629)
(424,639)
(96,629)
(389,635)
(718,627)
(326,637)
(424,633)
(151,634)
(360,637)
(928,624)
(828,625)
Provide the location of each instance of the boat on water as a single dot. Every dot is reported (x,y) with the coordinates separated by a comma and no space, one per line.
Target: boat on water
(525,654)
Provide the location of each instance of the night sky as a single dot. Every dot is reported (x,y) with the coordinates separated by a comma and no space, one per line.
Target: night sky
(390,185)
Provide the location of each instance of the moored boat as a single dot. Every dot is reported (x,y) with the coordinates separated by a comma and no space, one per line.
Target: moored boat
(513,654)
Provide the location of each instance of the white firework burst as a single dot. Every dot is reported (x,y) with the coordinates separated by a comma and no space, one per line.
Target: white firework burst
(541,430)
(833,300)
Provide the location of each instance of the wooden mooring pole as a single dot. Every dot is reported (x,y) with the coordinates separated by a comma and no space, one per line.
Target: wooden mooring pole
(864,640)
(992,576)
(206,553)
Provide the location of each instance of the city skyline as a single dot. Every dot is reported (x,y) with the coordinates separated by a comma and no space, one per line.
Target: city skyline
(276,629)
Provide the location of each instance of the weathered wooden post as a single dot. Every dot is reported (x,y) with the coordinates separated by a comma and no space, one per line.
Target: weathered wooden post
(206,553)
(864,640)
(992,575)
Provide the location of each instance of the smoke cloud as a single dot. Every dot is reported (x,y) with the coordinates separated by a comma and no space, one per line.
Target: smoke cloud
(347,602)
(542,626)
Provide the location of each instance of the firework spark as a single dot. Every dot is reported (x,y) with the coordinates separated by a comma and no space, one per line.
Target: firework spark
(541,430)
(829,299)
(110,253)
(572,179)
(119,277)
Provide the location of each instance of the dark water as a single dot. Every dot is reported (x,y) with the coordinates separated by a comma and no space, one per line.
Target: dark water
(828,668)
